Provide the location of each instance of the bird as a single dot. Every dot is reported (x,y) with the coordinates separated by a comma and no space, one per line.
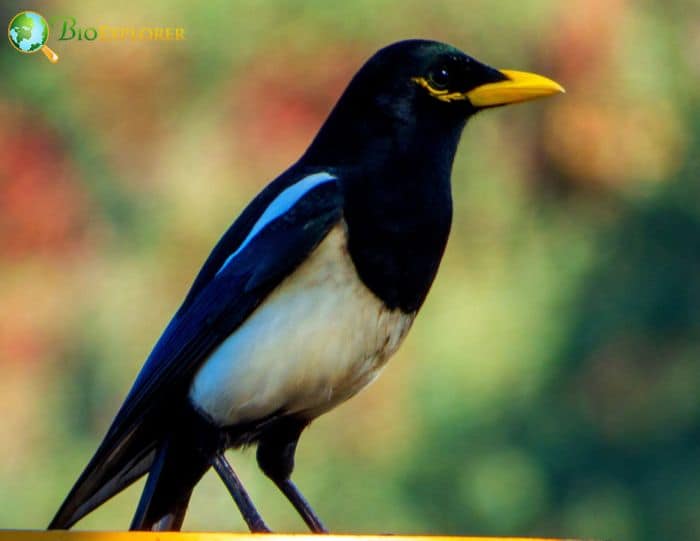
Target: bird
(306,296)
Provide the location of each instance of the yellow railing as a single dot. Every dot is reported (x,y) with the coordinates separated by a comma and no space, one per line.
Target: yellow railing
(40,535)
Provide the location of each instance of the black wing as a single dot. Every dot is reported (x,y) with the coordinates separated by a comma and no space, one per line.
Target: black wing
(220,300)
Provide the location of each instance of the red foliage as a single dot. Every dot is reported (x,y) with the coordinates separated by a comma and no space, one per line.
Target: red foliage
(278,111)
(42,208)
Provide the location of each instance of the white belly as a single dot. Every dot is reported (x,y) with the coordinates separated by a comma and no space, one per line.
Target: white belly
(319,338)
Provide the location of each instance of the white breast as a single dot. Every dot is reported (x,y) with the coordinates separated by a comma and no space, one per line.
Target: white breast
(319,338)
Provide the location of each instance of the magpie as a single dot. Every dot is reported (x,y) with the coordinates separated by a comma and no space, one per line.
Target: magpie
(307,294)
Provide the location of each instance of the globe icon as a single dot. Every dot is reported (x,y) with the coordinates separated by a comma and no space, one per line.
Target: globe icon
(28,32)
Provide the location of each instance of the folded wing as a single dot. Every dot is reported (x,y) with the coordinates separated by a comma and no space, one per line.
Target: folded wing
(270,239)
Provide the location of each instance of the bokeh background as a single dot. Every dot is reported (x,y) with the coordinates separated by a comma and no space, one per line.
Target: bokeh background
(551,384)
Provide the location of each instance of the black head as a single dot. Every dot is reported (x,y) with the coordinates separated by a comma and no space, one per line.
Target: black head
(417,90)
(391,139)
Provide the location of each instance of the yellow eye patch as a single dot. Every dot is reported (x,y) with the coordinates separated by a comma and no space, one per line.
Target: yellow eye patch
(443,95)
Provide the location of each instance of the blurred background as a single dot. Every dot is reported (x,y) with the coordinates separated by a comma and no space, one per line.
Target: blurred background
(551,384)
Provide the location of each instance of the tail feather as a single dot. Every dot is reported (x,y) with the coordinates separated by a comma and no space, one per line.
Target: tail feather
(111,470)
(177,468)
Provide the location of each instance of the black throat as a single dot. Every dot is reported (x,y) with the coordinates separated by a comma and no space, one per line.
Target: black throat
(395,168)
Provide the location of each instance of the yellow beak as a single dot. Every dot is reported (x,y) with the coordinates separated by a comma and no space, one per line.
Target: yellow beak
(520,86)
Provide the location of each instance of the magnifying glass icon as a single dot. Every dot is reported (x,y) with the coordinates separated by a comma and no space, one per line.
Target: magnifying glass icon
(28,32)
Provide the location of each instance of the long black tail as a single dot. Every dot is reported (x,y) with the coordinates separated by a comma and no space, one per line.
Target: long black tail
(118,462)
(177,468)
(175,454)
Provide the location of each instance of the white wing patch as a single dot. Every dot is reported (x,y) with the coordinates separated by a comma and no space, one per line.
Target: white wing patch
(281,204)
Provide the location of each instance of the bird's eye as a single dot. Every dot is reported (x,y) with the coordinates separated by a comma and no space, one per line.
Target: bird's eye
(439,78)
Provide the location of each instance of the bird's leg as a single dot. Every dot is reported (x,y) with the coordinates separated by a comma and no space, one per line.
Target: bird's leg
(252,518)
(275,455)
(290,490)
